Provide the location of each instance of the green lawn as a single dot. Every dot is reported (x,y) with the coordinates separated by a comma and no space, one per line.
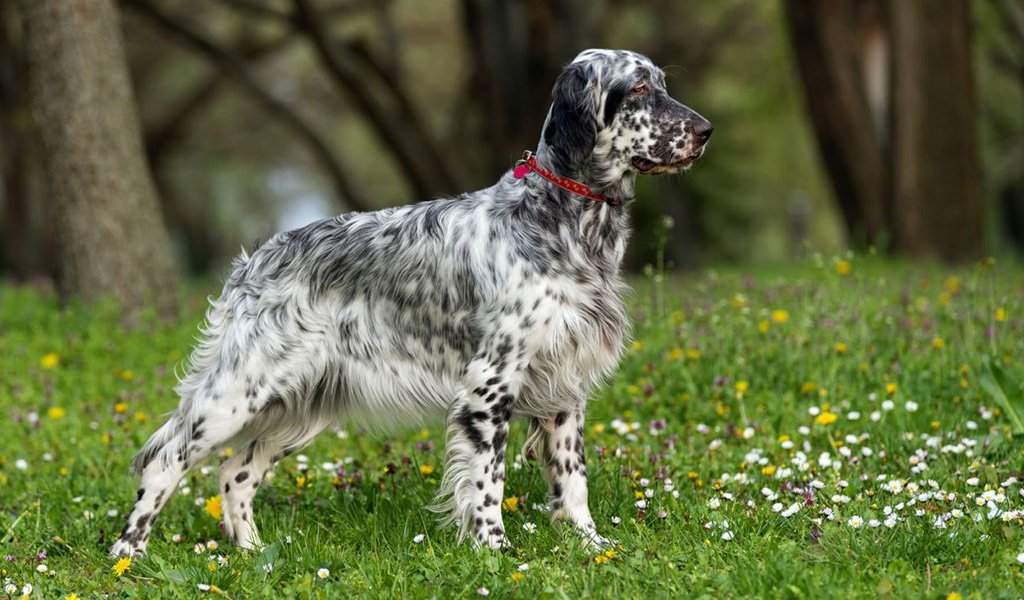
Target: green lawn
(834,429)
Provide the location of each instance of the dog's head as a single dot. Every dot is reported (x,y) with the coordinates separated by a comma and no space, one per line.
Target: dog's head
(612,116)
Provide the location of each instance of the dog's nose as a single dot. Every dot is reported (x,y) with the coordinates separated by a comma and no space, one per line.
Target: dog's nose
(702,129)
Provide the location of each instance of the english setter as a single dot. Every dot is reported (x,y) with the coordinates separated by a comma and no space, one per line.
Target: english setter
(503,302)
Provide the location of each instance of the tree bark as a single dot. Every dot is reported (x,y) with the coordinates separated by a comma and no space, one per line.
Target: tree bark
(110,236)
(936,170)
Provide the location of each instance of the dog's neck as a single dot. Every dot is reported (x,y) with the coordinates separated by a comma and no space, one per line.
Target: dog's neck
(604,227)
(615,185)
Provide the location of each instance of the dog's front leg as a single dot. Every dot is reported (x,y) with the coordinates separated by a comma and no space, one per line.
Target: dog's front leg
(560,441)
(474,478)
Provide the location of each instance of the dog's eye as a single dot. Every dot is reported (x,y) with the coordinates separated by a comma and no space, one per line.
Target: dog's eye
(640,90)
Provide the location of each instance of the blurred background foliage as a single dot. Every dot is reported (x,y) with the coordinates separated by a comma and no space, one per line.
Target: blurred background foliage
(263,115)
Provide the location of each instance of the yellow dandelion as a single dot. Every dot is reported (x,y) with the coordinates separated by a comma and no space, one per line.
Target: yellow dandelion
(693,354)
(517,576)
(141,417)
(938,343)
(768,470)
(50,361)
(780,315)
(71,596)
(510,504)
(840,348)
(598,428)
(637,345)
(890,388)
(741,387)
(954,596)
(675,353)
(826,418)
(844,267)
(738,301)
(121,408)
(121,566)
(764,326)
(424,433)
(55,412)
(1000,314)
(808,387)
(953,284)
(126,375)
(426,469)
(213,507)
(600,559)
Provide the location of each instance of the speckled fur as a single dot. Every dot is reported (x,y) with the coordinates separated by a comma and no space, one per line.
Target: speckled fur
(502,302)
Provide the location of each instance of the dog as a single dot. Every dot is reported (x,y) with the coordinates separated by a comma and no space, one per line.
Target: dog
(498,303)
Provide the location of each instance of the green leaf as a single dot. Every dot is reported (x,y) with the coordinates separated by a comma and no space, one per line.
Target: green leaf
(165,572)
(267,556)
(995,381)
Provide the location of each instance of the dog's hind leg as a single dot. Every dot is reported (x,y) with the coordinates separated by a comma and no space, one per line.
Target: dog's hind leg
(195,430)
(159,480)
(240,478)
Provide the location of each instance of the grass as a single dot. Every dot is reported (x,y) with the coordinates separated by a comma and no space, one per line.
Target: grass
(855,391)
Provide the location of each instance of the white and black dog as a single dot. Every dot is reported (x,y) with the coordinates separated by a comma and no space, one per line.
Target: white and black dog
(502,302)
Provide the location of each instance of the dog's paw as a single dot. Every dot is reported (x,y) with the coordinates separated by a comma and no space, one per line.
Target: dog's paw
(493,542)
(125,548)
(594,541)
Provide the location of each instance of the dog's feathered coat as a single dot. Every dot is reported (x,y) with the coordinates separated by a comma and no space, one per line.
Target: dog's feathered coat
(497,303)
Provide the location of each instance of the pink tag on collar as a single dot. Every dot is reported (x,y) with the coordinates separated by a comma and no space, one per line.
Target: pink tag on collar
(520,171)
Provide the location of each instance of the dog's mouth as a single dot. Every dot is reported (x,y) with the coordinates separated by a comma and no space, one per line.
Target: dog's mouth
(646,165)
(643,164)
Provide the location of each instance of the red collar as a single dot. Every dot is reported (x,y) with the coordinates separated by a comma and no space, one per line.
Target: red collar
(529,163)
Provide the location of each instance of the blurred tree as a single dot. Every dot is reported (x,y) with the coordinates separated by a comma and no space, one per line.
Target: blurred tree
(110,236)
(935,163)
(235,66)
(1001,40)
(22,252)
(831,61)
(516,50)
(903,161)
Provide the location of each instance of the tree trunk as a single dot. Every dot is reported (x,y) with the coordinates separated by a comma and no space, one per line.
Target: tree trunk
(110,236)
(826,46)
(936,175)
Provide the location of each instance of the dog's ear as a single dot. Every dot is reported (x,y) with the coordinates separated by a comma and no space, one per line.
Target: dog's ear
(571,130)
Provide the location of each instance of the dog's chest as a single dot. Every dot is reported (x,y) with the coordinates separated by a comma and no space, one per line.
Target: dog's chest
(581,332)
